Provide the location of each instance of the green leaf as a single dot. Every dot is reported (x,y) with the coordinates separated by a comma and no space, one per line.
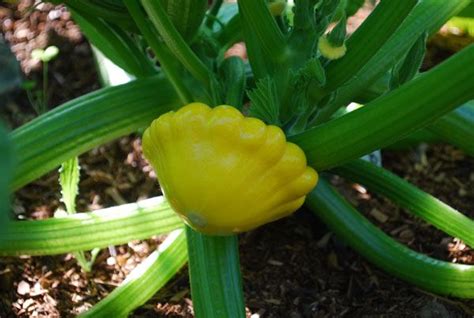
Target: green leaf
(115,44)
(85,231)
(69,180)
(270,39)
(167,61)
(455,127)
(367,40)
(175,42)
(264,102)
(112,11)
(86,122)
(409,66)
(392,116)
(408,196)
(214,270)
(186,15)
(145,280)
(468,11)
(428,273)
(50,53)
(426,16)
(266,45)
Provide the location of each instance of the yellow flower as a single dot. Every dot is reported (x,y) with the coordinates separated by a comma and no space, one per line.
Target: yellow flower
(224,173)
(329,50)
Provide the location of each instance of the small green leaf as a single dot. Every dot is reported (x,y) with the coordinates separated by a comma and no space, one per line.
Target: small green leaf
(312,71)
(45,55)
(409,66)
(69,180)
(50,53)
(37,54)
(264,102)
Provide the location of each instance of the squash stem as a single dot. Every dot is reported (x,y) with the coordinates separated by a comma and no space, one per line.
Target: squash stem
(176,43)
(166,60)
(214,270)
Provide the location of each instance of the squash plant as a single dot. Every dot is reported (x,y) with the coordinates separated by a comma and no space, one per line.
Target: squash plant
(297,77)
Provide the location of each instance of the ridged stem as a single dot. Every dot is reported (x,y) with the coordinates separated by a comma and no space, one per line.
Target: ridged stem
(176,43)
(214,270)
(408,196)
(162,55)
(428,273)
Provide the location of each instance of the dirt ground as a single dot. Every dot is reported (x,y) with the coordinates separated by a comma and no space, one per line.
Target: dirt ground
(293,268)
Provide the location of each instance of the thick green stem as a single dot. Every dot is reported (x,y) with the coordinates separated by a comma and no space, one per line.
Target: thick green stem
(410,197)
(88,121)
(214,270)
(145,280)
(163,56)
(255,13)
(392,116)
(85,231)
(428,273)
(176,43)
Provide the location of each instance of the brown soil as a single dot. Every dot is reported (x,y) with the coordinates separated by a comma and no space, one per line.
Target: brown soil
(291,268)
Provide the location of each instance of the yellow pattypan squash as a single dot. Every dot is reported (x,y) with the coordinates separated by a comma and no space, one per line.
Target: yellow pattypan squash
(224,173)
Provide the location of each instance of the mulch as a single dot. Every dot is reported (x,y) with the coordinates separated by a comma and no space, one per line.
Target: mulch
(293,268)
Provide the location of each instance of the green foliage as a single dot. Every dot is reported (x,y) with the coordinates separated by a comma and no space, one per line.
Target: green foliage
(69,180)
(114,43)
(186,15)
(264,102)
(288,84)
(408,67)
(45,55)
